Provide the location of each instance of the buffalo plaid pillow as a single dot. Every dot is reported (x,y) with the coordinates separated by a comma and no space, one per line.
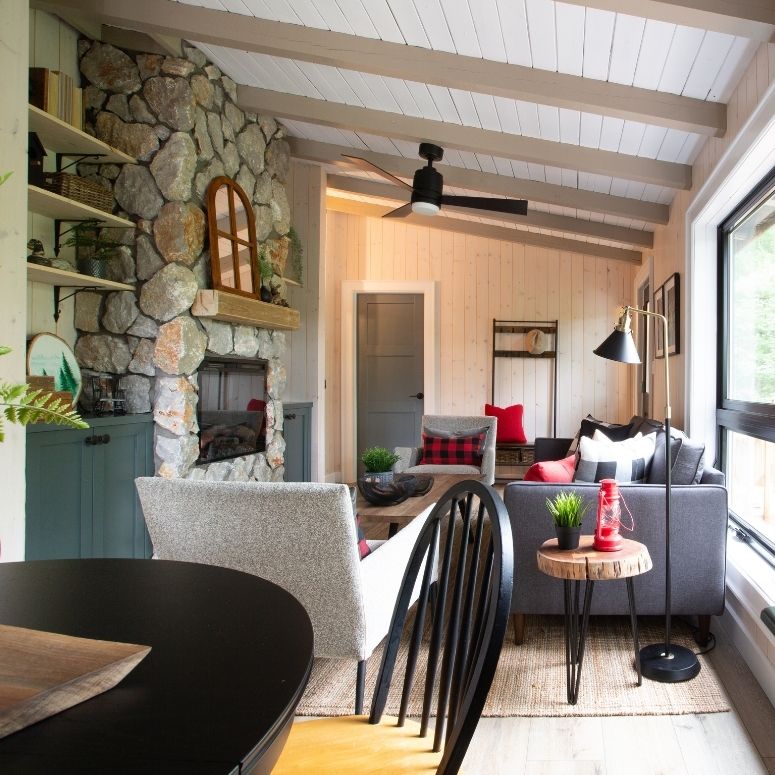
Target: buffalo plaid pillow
(462,450)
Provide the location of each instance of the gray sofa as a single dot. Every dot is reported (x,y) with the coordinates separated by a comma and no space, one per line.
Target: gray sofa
(698,549)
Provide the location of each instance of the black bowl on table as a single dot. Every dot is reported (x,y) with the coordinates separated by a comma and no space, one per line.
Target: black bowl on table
(390,493)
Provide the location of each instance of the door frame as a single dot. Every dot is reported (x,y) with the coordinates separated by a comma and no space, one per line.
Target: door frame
(350,291)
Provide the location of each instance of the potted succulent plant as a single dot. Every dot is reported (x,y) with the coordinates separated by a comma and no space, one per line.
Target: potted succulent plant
(93,251)
(379,464)
(567,510)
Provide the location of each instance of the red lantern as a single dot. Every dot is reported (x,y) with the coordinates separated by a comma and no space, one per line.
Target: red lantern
(609,517)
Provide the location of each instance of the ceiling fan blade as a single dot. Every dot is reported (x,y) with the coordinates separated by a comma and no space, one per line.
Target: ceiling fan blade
(514,206)
(399,212)
(368,166)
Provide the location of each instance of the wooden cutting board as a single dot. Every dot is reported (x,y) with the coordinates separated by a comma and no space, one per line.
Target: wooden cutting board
(43,673)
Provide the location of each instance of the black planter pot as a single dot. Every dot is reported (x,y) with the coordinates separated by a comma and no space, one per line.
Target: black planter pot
(568,537)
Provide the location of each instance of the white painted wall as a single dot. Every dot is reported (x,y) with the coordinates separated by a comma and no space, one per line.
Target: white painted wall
(52,44)
(13,268)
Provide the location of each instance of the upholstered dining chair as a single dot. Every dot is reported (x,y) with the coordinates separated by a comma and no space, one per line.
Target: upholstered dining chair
(410,458)
(469,527)
(299,535)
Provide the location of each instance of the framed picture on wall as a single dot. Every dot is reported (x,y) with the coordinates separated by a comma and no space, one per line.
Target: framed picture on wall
(659,333)
(671,290)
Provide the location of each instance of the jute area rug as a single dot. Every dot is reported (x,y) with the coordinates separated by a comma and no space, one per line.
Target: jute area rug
(530,680)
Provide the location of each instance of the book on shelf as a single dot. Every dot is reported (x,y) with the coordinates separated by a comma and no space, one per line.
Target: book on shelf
(56,93)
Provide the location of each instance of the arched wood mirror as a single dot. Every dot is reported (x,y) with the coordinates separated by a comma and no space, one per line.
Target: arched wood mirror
(232,230)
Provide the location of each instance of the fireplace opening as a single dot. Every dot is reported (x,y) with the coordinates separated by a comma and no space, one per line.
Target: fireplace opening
(231,408)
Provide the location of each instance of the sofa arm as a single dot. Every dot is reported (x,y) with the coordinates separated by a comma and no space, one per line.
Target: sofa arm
(488,466)
(407,457)
(551,449)
(712,475)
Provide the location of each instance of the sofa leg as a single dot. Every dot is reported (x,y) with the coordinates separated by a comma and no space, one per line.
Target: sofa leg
(702,636)
(360,685)
(518,622)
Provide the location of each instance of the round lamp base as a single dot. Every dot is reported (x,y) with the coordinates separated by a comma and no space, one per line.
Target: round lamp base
(681,664)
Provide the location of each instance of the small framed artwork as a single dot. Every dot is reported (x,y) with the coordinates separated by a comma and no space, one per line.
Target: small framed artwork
(671,290)
(48,355)
(659,332)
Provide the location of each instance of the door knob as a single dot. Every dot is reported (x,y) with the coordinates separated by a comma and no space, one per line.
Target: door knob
(291,416)
(418,395)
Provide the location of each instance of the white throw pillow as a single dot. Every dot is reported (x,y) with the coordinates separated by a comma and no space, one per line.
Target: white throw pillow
(625,461)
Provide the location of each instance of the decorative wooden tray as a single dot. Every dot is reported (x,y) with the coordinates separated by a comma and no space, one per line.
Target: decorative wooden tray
(43,673)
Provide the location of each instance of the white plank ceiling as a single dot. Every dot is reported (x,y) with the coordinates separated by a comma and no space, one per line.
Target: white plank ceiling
(594,44)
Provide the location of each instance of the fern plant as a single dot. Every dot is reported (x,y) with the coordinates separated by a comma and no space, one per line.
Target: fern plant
(22,405)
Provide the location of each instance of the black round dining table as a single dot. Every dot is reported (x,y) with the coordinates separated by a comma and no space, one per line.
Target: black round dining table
(230,657)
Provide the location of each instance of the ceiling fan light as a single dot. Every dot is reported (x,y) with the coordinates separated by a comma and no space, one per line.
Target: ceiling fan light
(424,208)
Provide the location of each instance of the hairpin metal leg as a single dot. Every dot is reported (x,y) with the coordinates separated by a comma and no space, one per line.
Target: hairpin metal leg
(575,634)
(634,626)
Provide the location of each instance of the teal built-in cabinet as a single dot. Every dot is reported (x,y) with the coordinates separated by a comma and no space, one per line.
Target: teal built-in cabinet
(81,499)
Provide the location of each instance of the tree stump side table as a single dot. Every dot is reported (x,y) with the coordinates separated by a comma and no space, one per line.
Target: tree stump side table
(589,565)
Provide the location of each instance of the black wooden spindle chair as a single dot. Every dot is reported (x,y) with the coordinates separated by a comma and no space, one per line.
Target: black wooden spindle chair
(468,537)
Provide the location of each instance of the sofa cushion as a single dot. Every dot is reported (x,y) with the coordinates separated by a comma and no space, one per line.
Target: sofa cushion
(557,471)
(687,458)
(460,448)
(510,430)
(625,461)
(614,431)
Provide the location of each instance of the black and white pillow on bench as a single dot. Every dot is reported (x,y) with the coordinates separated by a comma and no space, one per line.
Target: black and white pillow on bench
(625,461)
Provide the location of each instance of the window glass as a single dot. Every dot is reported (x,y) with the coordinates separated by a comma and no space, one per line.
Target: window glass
(751,307)
(750,468)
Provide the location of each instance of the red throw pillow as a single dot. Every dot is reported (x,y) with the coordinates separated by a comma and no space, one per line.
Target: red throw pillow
(453,450)
(363,548)
(510,430)
(555,471)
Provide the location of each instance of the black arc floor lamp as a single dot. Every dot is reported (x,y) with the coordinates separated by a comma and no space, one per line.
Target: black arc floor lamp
(665,662)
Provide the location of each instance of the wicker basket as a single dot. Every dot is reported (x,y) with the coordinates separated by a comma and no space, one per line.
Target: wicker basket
(514,454)
(79,189)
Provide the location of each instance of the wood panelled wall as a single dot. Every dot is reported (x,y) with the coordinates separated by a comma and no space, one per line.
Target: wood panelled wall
(53,44)
(670,240)
(481,279)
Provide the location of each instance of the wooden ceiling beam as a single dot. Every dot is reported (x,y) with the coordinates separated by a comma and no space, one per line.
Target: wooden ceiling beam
(337,204)
(246,33)
(535,218)
(754,19)
(464,138)
(488,182)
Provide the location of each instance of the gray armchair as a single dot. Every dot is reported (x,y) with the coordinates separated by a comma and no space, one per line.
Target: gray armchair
(408,456)
(299,535)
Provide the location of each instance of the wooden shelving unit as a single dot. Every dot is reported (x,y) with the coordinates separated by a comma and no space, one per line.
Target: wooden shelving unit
(64,279)
(232,308)
(66,140)
(60,208)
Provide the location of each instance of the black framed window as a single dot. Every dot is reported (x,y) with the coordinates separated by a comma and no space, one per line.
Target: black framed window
(746,350)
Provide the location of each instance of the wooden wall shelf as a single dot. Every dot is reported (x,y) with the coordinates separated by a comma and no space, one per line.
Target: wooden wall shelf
(231,308)
(61,137)
(61,208)
(64,279)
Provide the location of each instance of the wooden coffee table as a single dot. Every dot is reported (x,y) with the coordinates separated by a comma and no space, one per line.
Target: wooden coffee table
(403,513)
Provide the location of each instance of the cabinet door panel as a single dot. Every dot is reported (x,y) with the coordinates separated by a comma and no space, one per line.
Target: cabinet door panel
(119,527)
(59,495)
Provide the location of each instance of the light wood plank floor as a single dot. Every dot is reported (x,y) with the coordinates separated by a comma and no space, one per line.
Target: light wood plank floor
(739,742)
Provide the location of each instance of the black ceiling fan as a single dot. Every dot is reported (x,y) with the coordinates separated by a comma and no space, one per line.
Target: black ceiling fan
(427,197)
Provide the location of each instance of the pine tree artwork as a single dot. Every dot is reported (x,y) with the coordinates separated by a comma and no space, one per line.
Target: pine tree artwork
(65,379)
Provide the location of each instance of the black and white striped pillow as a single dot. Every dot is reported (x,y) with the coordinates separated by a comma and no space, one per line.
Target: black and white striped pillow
(625,461)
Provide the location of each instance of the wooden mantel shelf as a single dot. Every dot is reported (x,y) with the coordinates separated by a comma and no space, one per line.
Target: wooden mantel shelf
(231,308)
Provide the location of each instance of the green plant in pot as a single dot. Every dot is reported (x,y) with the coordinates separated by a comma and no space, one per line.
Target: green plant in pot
(94,252)
(379,462)
(567,510)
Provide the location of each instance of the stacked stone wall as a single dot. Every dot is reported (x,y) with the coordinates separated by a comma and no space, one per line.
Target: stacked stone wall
(179,118)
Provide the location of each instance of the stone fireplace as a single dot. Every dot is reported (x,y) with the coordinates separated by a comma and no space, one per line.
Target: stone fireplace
(179,118)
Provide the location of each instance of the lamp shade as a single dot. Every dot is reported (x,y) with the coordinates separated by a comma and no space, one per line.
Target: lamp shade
(619,347)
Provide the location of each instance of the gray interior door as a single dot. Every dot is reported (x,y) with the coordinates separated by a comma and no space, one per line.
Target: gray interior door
(390,370)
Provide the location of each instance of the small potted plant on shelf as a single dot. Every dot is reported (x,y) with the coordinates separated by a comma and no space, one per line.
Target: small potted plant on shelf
(379,464)
(567,510)
(94,252)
